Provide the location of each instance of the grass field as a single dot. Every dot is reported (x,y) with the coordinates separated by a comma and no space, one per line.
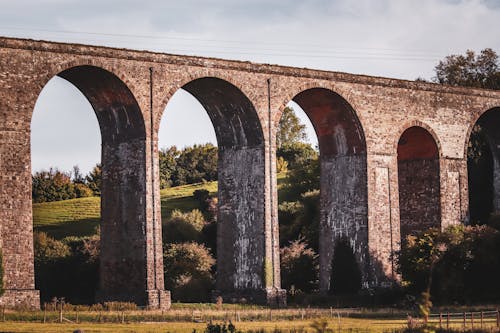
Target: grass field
(344,324)
(80,217)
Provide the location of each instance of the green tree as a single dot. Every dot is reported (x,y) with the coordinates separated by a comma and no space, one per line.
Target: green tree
(297,154)
(168,164)
(94,179)
(290,130)
(52,185)
(304,178)
(196,164)
(470,70)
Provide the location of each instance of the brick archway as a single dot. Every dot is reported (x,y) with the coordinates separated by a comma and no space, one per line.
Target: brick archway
(124,271)
(419,181)
(241,240)
(343,178)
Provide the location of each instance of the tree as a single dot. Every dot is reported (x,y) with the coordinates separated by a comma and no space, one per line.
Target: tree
(290,130)
(470,70)
(477,71)
(168,165)
(458,264)
(77,175)
(52,185)
(196,164)
(94,179)
(296,154)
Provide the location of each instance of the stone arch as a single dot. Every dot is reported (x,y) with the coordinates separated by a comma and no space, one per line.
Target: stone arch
(343,176)
(470,126)
(318,85)
(56,69)
(241,239)
(419,184)
(123,251)
(207,73)
(483,165)
(418,123)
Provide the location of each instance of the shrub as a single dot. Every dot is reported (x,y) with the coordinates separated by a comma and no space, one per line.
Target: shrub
(188,271)
(48,249)
(299,266)
(62,265)
(468,269)
(184,227)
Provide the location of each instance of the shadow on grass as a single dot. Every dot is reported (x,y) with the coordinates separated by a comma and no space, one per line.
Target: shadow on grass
(184,204)
(78,228)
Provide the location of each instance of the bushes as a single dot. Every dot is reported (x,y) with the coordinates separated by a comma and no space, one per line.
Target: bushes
(62,265)
(467,269)
(184,227)
(299,266)
(188,271)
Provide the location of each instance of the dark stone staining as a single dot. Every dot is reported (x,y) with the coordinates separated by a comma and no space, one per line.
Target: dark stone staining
(123,261)
(344,198)
(419,182)
(241,165)
(344,212)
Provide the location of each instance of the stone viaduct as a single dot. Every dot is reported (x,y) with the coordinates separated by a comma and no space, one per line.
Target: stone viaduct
(393,160)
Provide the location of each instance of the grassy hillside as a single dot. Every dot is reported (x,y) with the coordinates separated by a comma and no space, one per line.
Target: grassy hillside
(80,217)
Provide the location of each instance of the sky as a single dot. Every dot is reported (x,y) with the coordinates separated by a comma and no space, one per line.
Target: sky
(391,38)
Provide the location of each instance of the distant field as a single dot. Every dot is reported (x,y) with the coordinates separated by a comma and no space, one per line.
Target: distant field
(80,217)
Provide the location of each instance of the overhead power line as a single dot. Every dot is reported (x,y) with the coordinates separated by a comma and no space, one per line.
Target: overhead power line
(250,48)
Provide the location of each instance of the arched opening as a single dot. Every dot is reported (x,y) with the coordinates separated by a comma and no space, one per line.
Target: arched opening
(239,241)
(297,167)
(343,180)
(483,166)
(64,133)
(419,182)
(122,259)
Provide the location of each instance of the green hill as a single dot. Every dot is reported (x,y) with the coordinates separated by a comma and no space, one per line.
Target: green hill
(80,217)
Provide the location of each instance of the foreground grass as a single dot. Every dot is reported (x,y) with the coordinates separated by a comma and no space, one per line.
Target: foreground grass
(344,324)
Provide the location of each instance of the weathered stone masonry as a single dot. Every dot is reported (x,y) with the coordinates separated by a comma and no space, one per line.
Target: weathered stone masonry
(359,121)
